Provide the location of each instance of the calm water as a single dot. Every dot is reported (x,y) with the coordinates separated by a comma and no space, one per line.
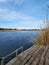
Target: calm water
(10,41)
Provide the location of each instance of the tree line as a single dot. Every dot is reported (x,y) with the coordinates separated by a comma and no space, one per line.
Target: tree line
(8,29)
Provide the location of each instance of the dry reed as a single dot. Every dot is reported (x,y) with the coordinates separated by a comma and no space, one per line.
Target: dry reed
(43,37)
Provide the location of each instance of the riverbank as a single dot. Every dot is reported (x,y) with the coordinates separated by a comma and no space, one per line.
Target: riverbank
(10,30)
(17,30)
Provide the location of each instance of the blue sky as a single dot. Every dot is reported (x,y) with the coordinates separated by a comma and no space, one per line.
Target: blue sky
(22,14)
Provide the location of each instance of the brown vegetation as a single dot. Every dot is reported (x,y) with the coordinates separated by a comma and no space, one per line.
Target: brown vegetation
(43,37)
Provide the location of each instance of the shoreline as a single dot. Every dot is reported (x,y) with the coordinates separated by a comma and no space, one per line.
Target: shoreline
(10,30)
(17,30)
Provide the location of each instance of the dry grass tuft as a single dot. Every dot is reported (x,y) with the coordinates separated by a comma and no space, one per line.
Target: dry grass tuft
(43,37)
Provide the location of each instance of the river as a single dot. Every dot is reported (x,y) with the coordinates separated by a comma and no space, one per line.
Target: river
(9,41)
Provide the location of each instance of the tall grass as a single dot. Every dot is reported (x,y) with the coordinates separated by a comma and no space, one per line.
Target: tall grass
(43,37)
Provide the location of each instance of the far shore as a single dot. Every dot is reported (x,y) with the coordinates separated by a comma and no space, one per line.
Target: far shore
(15,30)
(18,30)
(10,30)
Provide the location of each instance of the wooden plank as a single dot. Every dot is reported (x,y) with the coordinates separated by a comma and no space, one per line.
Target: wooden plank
(47,58)
(34,55)
(37,58)
(22,55)
(28,58)
(25,56)
(42,61)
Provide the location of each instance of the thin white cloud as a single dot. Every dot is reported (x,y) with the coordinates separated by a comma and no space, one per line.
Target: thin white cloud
(6,14)
(3,0)
(24,20)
